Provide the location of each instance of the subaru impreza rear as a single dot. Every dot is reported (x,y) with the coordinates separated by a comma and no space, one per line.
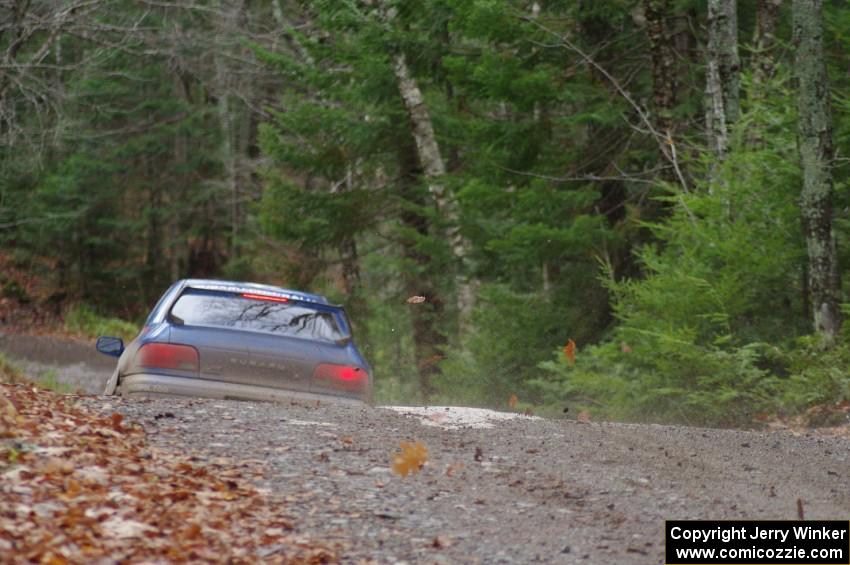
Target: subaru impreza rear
(245,341)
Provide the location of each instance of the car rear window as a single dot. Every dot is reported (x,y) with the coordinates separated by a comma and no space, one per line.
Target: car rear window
(234,311)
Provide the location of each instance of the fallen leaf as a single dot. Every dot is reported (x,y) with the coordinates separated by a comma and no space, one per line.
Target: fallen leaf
(453,468)
(416,300)
(120,528)
(53,559)
(7,409)
(55,465)
(583,417)
(191,532)
(72,488)
(116,421)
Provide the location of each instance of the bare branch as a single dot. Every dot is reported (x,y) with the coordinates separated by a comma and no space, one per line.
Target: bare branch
(664,140)
(588,178)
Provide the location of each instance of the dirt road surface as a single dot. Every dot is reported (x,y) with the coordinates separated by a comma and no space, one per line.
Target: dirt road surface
(72,362)
(494,490)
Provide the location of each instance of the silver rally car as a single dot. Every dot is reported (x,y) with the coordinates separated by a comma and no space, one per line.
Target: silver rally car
(243,341)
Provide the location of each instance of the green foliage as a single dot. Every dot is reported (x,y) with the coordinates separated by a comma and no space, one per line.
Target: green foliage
(514,332)
(85,321)
(50,381)
(817,374)
(664,379)
(691,344)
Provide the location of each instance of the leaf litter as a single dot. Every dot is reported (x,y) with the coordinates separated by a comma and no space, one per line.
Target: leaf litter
(78,487)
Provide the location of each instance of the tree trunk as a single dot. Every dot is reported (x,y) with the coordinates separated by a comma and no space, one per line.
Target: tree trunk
(764,60)
(179,250)
(229,83)
(664,82)
(764,45)
(723,78)
(350,263)
(814,127)
(427,317)
(434,168)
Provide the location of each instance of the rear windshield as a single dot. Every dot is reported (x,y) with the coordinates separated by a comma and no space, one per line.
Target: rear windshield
(224,310)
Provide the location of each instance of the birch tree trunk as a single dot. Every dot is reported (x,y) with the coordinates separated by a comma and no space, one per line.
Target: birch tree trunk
(434,168)
(228,84)
(814,127)
(723,72)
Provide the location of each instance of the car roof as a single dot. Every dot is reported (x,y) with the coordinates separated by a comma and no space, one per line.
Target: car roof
(238,286)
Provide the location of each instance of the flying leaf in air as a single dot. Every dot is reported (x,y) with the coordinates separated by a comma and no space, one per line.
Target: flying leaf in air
(570,351)
(410,459)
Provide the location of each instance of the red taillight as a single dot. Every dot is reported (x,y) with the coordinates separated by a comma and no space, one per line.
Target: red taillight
(168,356)
(341,376)
(264,297)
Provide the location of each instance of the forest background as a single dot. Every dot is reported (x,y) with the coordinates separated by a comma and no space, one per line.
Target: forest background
(633,207)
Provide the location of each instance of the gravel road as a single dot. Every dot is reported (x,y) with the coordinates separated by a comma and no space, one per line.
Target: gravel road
(71,362)
(522,490)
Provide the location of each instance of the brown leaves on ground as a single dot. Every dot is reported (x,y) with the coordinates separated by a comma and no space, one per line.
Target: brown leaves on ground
(830,419)
(410,459)
(78,487)
(583,417)
(416,300)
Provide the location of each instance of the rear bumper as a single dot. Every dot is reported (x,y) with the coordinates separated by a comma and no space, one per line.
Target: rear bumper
(147,384)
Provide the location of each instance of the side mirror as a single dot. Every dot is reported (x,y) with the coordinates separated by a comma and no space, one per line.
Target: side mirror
(113,346)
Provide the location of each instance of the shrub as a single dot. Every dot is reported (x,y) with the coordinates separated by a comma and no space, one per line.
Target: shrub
(83,320)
